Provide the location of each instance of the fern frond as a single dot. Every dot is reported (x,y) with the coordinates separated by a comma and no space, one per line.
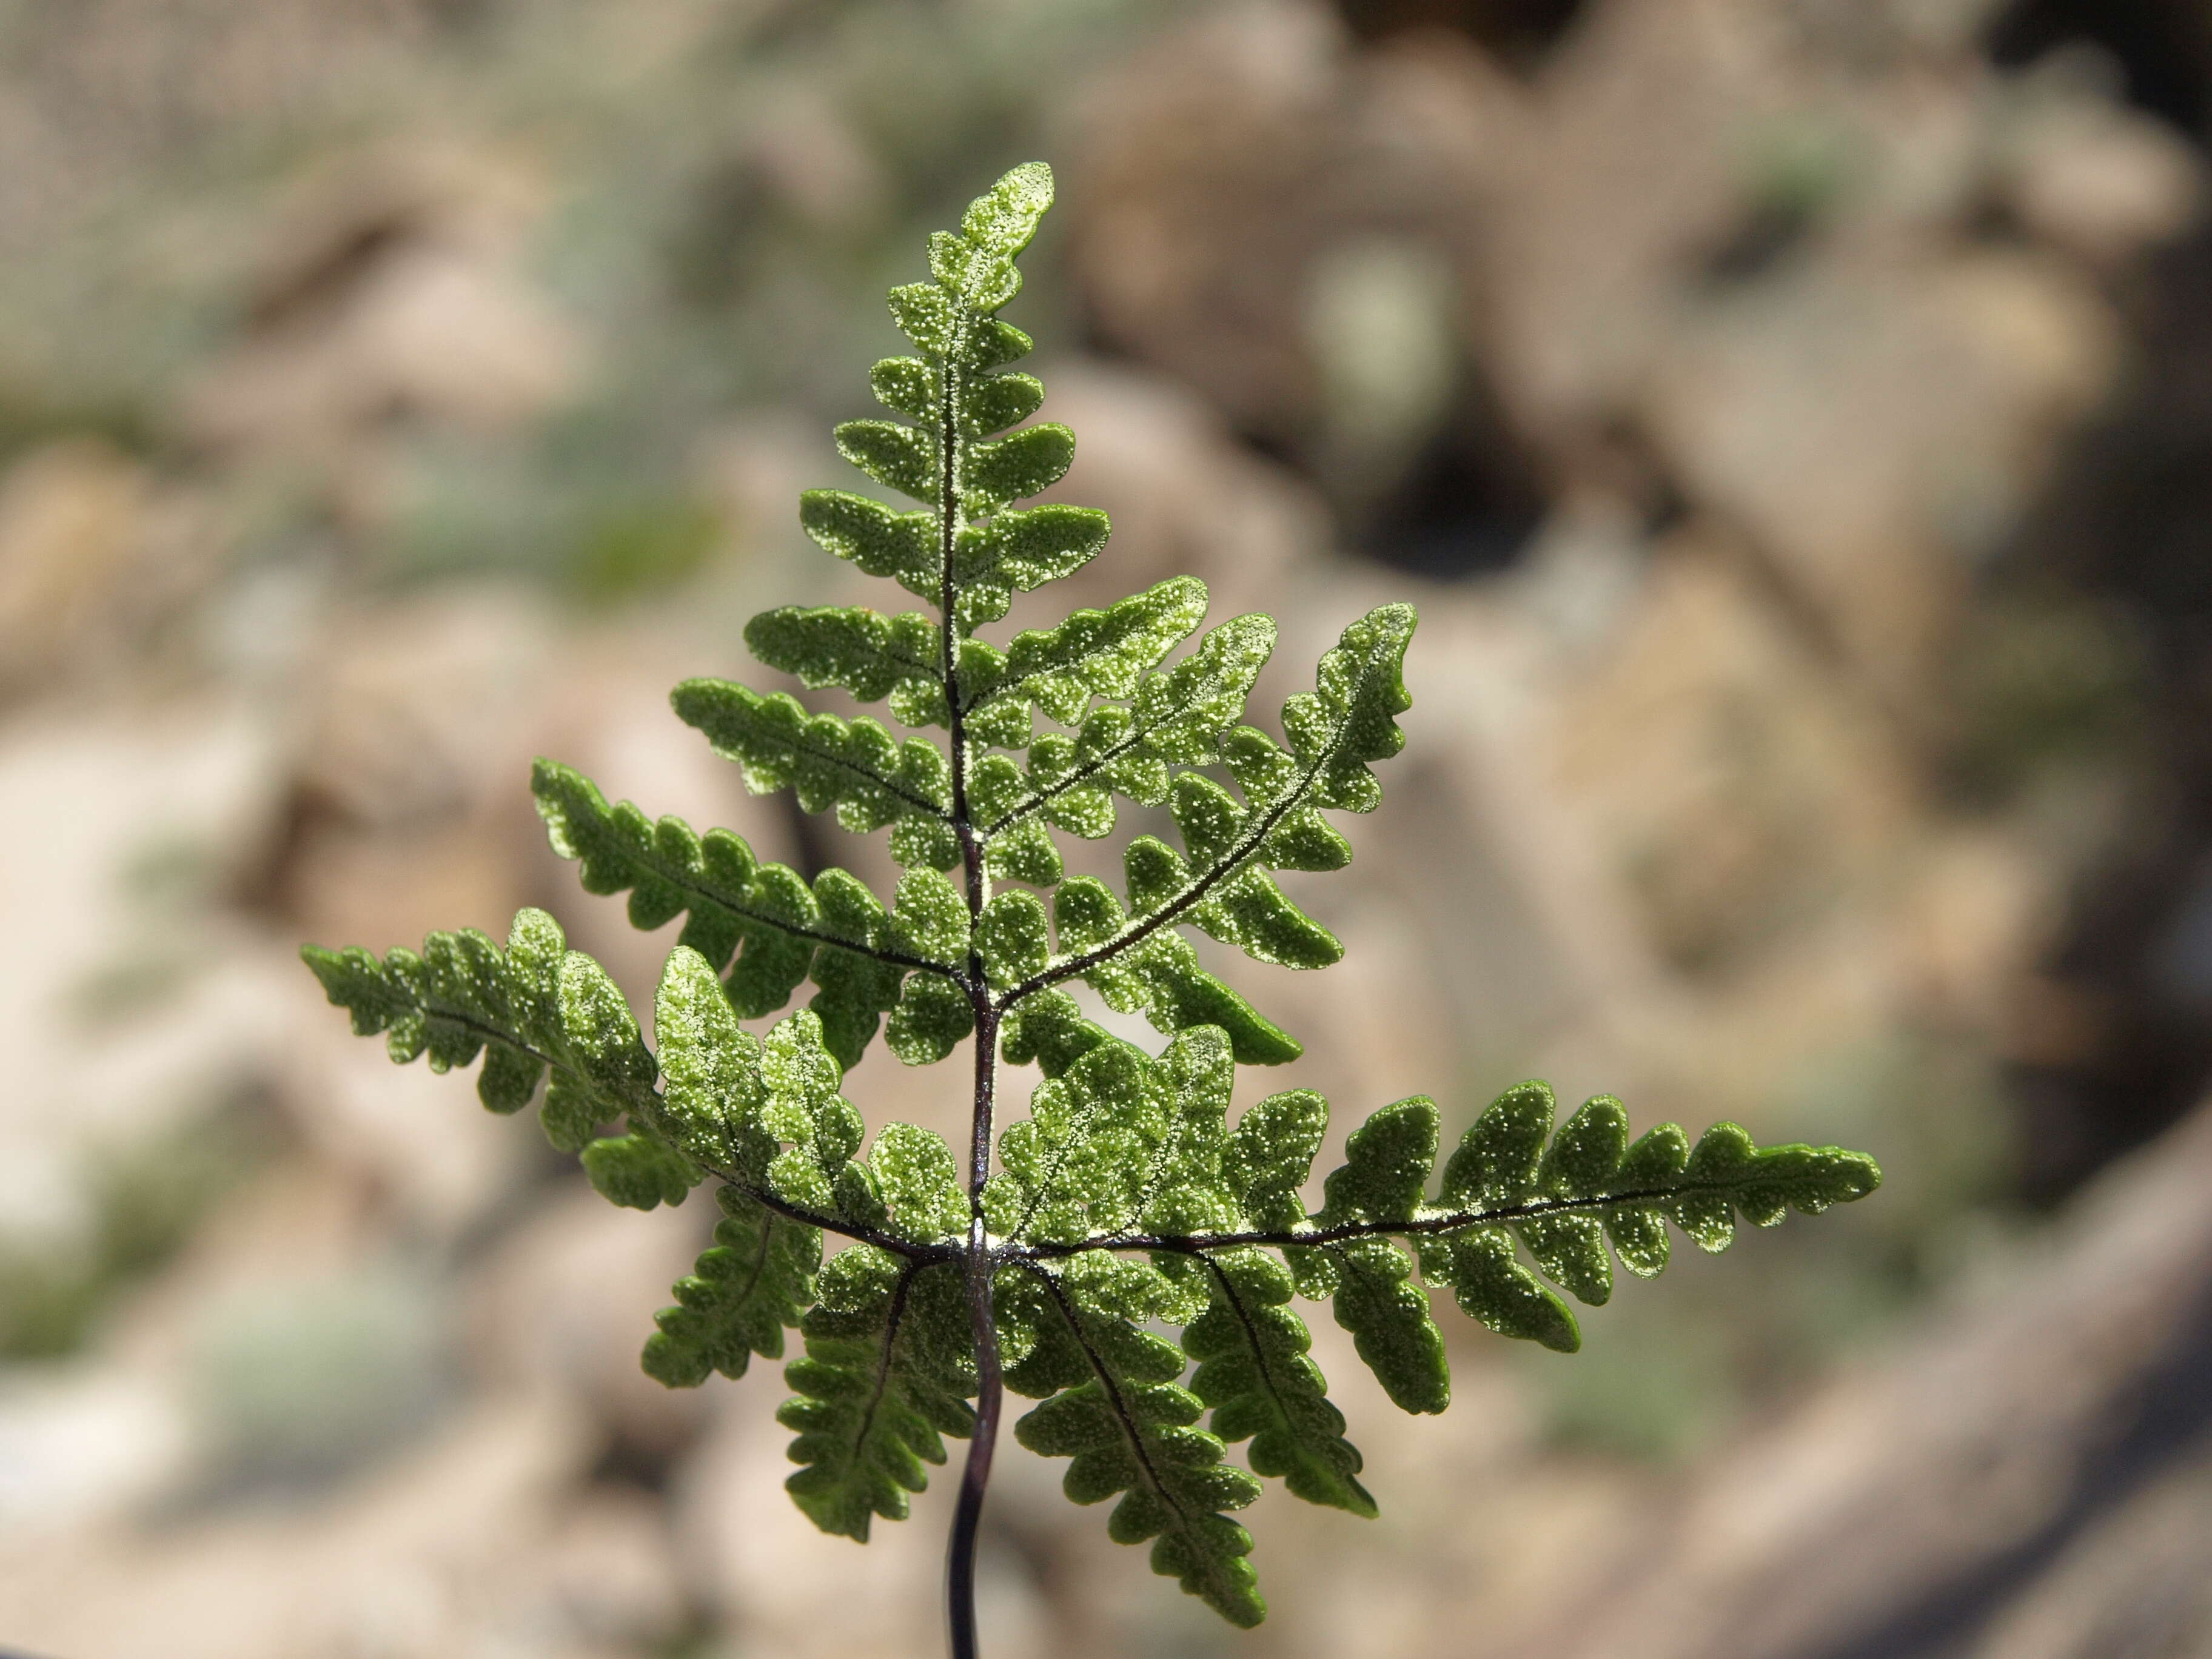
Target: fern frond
(1512,1181)
(1129,1428)
(1127,1202)
(1093,653)
(1254,1372)
(1222,887)
(781,931)
(1018,551)
(854,767)
(1176,715)
(535,1010)
(1075,1169)
(755,1282)
(861,651)
(881,540)
(885,1378)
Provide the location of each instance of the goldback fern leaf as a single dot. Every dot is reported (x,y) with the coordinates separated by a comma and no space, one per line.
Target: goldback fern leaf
(1131,1199)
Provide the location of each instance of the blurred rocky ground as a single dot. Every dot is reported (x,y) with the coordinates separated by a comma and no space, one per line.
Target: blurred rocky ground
(1794,419)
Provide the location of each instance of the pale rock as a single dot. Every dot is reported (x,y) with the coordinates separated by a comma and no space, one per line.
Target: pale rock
(1736,784)
(300,1341)
(82,1444)
(135,1005)
(302,1219)
(2092,176)
(1871,398)
(455,1548)
(1183,495)
(751,468)
(413,707)
(1870,421)
(1982,910)
(393,285)
(71,522)
(1193,196)
(611,1572)
(2135,1583)
(1232,174)
(413,770)
(1632,166)
(1532,932)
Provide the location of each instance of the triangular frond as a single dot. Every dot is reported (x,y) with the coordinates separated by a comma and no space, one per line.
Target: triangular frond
(1127,1202)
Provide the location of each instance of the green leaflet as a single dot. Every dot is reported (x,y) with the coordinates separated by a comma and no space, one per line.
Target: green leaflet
(1253,1371)
(1183,1188)
(1222,885)
(1018,551)
(881,540)
(977,265)
(1127,1201)
(1158,975)
(758,1279)
(1100,654)
(1049,1028)
(638,1171)
(854,767)
(1117,1142)
(714,1094)
(817,1126)
(1388,1162)
(1270,1155)
(918,1183)
(1176,715)
(1563,1195)
(1560,1196)
(537,1007)
(886,1378)
(1130,1430)
(1080,1165)
(781,932)
(864,651)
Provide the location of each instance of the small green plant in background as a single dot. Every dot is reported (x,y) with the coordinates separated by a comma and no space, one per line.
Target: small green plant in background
(1049,1256)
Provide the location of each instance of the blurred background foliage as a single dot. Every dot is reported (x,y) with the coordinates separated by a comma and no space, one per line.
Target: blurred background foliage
(1794,419)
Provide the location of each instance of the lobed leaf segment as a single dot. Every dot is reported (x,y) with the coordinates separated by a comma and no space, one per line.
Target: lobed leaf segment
(1133,1199)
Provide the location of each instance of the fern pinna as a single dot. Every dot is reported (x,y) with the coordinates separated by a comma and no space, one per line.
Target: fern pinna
(1126,1202)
